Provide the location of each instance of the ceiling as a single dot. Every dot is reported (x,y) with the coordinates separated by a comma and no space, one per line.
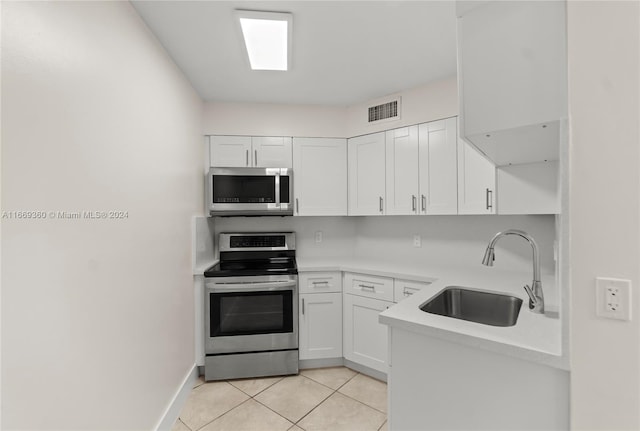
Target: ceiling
(344,52)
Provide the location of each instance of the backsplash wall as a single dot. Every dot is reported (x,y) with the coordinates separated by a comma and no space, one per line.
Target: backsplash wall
(446,240)
(455,240)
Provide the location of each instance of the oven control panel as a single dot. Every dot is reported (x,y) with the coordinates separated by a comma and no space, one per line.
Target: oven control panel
(269,241)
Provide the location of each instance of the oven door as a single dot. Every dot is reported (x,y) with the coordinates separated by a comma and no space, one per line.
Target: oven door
(250,191)
(251,314)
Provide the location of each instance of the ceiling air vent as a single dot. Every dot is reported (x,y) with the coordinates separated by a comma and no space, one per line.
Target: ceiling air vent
(385,111)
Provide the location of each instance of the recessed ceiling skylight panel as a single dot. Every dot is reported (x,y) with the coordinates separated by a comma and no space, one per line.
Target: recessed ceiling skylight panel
(267,39)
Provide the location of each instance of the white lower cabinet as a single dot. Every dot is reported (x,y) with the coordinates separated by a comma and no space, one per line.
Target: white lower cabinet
(365,339)
(336,323)
(320,320)
(320,325)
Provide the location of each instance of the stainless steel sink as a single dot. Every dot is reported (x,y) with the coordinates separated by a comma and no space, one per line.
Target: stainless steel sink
(479,306)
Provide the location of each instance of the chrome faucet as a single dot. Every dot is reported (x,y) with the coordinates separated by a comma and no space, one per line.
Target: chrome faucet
(536,298)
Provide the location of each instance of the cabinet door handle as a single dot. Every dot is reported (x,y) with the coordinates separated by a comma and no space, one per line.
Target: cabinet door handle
(303,306)
(424,203)
(367,287)
(320,283)
(255,160)
(407,291)
(489,197)
(247,162)
(297,206)
(381,204)
(413,203)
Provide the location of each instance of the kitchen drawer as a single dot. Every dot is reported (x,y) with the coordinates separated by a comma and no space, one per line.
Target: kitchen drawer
(320,282)
(404,288)
(369,286)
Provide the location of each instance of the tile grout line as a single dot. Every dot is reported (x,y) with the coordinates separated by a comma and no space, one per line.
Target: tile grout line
(218,417)
(319,404)
(182,422)
(269,408)
(361,402)
(296,423)
(330,395)
(252,397)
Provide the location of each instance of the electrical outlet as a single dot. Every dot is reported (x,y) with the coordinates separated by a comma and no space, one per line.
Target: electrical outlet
(613,298)
(417,241)
(319,236)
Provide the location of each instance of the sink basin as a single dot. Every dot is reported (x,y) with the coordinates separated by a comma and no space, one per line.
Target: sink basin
(478,306)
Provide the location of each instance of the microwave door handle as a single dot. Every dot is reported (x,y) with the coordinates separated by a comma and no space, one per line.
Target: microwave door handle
(277,189)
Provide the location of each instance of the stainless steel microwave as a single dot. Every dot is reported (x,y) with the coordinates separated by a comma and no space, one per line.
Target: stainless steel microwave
(250,191)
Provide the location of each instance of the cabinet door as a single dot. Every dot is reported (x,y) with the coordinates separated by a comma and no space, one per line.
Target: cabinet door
(365,339)
(402,171)
(438,167)
(476,181)
(320,176)
(366,174)
(230,151)
(320,325)
(271,152)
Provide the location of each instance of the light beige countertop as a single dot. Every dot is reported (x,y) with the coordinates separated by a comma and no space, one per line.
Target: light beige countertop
(535,337)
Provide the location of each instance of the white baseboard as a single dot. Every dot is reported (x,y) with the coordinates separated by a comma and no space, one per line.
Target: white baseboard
(171,413)
(366,370)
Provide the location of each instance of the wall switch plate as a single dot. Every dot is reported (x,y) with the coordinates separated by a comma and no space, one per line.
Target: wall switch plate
(417,241)
(319,236)
(613,298)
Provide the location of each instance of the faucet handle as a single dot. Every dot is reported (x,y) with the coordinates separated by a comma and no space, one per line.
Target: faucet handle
(532,297)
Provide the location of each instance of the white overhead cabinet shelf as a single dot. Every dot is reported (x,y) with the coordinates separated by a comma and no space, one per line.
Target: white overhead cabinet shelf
(512,79)
(247,151)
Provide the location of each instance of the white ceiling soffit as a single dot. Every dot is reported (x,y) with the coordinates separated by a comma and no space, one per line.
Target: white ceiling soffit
(343,52)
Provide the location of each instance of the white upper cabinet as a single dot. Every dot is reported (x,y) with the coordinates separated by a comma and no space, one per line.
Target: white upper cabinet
(402,171)
(367,174)
(230,151)
(512,78)
(246,151)
(476,181)
(438,167)
(320,176)
(272,152)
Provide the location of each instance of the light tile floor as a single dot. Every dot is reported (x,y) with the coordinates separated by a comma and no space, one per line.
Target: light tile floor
(332,399)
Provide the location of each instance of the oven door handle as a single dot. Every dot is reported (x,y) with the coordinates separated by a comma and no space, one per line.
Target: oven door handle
(251,287)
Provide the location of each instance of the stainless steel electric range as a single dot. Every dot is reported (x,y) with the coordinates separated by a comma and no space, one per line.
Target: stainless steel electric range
(251,307)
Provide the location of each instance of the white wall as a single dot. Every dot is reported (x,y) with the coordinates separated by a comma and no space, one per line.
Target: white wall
(432,101)
(264,119)
(604,48)
(456,240)
(97,315)
(429,102)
